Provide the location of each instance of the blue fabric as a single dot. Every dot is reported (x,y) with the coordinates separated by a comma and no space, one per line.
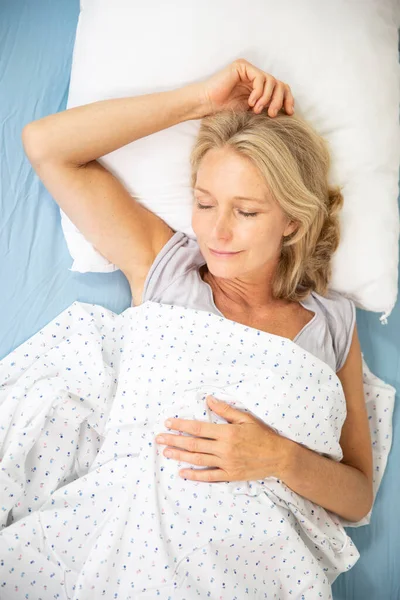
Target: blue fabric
(36,43)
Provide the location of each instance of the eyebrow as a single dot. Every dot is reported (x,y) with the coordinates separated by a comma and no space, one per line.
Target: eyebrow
(249,198)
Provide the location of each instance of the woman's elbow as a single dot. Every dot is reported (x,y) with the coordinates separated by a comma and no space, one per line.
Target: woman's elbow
(364,509)
(367,509)
(33,142)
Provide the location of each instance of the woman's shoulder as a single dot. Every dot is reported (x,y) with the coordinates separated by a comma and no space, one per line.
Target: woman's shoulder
(181,253)
(178,257)
(179,240)
(338,313)
(334,305)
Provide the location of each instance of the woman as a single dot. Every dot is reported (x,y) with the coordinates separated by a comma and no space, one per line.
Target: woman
(266,224)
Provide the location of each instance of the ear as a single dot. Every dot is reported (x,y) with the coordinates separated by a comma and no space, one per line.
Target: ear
(290,228)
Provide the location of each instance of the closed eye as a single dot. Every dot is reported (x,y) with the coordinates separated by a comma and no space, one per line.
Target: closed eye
(253,214)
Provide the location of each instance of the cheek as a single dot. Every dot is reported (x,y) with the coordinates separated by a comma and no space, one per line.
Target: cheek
(267,236)
(201,222)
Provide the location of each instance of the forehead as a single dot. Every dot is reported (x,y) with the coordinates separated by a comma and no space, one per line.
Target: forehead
(222,173)
(226,160)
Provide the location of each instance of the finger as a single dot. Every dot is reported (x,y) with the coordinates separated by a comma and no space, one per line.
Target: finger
(204,474)
(258,88)
(289,100)
(200,428)
(269,88)
(277,99)
(192,444)
(228,412)
(200,460)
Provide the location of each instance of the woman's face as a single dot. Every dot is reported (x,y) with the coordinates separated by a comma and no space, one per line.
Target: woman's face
(219,220)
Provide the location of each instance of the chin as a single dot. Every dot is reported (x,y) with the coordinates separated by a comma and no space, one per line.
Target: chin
(219,270)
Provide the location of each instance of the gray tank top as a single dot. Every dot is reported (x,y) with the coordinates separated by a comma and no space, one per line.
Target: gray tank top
(174,278)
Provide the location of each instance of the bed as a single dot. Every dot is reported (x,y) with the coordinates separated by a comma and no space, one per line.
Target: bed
(36,42)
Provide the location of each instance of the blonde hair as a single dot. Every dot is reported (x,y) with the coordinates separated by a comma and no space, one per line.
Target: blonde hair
(294,162)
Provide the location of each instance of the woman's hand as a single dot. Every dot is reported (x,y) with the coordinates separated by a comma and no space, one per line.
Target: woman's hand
(242,450)
(241,85)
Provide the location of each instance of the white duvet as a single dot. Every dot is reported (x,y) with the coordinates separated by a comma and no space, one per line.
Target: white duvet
(91,508)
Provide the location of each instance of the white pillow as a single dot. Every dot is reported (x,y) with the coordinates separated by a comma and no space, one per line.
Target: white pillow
(340,59)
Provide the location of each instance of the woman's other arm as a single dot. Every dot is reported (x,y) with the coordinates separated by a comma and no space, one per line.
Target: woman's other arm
(63,149)
(345,487)
(79,135)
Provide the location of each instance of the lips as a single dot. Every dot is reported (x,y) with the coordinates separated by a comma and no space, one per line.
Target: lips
(222,253)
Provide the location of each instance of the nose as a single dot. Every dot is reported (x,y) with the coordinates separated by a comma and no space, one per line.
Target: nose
(222,229)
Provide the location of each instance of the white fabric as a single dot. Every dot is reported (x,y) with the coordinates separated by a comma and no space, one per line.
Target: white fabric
(340,59)
(91,506)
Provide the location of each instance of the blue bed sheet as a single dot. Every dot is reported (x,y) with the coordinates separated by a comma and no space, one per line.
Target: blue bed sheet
(36,43)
